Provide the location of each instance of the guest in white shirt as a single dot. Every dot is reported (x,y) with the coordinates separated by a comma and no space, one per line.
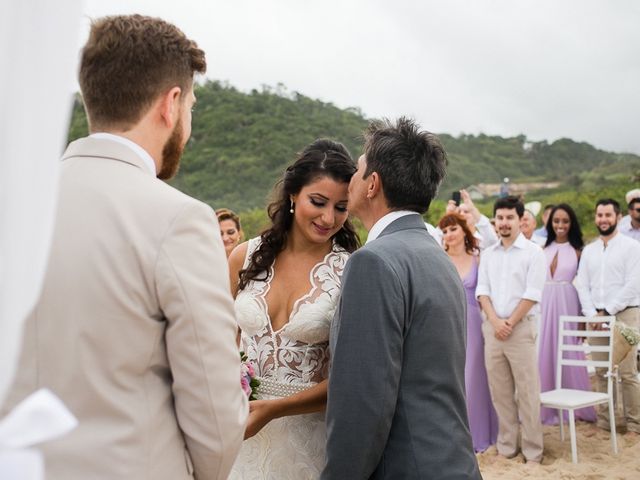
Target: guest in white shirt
(510,283)
(630,195)
(542,231)
(632,228)
(528,225)
(479,224)
(608,283)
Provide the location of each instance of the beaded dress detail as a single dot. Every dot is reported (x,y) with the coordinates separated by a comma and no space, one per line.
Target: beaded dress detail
(287,361)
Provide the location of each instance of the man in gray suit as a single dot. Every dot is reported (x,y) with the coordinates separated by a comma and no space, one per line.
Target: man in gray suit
(396,406)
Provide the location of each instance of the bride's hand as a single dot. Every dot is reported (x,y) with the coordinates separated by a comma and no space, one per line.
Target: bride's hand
(261,412)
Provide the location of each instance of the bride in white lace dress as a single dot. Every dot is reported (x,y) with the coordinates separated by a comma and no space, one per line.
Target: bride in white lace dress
(287,286)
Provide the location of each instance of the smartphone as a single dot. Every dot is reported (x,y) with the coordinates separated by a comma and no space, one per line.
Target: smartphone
(455,196)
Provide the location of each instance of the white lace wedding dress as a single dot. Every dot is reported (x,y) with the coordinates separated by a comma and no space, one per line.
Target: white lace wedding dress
(288,360)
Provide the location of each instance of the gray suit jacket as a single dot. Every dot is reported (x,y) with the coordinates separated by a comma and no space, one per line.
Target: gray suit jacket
(135,328)
(396,406)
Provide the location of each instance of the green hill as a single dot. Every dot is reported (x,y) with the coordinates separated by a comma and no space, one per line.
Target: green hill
(241,143)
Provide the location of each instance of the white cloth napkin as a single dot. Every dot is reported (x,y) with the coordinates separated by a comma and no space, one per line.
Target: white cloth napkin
(38,418)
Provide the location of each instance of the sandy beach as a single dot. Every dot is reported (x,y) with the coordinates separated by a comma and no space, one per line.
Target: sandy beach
(596,461)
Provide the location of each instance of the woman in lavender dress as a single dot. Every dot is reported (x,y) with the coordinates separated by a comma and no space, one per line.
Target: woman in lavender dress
(462,248)
(559,297)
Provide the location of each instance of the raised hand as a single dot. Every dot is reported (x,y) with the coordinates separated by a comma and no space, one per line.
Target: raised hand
(472,209)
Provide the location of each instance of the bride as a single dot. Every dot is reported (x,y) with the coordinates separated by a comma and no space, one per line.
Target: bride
(287,285)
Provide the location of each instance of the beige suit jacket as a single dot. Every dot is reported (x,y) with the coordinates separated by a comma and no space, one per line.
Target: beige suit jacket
(134,329)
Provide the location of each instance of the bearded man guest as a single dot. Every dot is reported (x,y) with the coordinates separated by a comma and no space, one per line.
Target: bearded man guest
(608,283)
(135,329)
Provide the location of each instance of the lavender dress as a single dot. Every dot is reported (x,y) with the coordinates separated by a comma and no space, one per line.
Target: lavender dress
(560,297)
(483,421)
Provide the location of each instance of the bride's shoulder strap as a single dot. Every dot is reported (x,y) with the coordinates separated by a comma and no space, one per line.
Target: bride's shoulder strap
(252,246)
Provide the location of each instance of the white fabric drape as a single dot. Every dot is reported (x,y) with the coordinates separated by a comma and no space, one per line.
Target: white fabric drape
(38,58)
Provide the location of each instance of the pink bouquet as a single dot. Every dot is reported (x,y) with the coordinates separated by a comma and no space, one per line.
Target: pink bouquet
(248,379)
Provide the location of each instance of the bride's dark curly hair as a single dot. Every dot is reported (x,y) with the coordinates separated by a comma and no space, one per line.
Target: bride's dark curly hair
(323,158)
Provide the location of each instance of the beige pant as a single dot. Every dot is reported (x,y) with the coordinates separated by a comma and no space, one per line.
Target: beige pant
(512,366)
(628,371)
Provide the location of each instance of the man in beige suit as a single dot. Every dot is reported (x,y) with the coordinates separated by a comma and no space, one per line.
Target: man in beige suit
(134,328)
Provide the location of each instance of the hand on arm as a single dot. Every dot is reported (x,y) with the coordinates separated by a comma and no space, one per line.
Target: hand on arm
(500,326)
(262,412)
(520,311)
(483,291)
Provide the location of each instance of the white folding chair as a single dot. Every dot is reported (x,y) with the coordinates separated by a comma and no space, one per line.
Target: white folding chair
(568,399)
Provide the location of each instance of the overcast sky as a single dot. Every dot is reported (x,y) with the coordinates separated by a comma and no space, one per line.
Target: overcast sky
(545,68)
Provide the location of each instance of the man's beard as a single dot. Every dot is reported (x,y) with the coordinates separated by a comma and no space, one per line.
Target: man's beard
(608,231)
(171,153)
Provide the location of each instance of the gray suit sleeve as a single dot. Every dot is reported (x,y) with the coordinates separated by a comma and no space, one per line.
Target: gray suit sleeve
(367,347)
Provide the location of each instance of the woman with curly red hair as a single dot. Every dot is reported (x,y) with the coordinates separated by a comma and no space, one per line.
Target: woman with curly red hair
(462,247)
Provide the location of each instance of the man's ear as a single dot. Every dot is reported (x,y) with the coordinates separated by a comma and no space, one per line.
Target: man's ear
(374,185)
(170,106)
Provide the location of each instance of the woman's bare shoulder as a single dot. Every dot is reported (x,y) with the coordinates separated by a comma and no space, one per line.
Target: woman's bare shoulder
(236,259)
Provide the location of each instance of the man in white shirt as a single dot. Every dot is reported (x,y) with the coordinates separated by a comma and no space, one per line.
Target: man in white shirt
(608,283)
(541,233)
(630,195)
(632,228)
(528,225)
(510,283)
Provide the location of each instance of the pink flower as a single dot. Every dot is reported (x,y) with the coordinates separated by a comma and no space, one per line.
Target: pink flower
(248,380)
(244,381)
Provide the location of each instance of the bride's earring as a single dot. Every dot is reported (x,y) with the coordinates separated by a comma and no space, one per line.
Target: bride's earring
(292,204)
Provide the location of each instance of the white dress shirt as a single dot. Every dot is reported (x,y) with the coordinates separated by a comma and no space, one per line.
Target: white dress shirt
(624,221)
(509,275)
(538,240)
(609,277)
(628,230)
(485,233)
(385,221)
(433,231)
(141,152)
